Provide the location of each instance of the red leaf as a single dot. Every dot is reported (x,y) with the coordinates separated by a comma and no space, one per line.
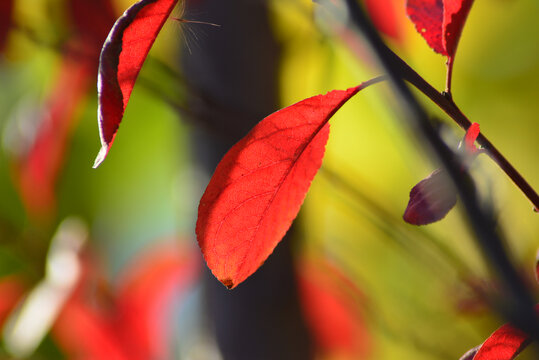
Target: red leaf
(455,14)
(121,59)
(504,344)
(471,135)
(330,303)
(430,200)
(440,22)
(259,186)
(428,17)
(6,11)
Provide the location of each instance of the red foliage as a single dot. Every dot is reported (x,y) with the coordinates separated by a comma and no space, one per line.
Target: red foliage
(6,12)
(121,59)
(386,16)
(259,186)
(440,22)
(38,170)
(11,291)
(132,323)
(332,307)
(504,344)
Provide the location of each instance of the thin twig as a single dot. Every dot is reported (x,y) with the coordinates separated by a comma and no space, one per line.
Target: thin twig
(517,304)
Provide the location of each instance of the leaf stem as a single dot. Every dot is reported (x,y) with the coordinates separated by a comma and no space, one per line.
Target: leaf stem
(451,109)
(449,75)
(517,303)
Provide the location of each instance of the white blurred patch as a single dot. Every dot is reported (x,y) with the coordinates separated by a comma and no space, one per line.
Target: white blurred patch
(34,316)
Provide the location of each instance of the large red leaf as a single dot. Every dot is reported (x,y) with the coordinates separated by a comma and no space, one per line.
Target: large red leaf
(6,10)
(259,186)
(440,22)
(121,59)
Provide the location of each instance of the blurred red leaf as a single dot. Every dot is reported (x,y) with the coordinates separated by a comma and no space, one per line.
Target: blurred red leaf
(11,291)
(386,16)
(38,170)
(332,310)
(147,291)
(133,323)
(122,56)
(6,12)
(440,22)
(431,199)
(84,333)
(259,186)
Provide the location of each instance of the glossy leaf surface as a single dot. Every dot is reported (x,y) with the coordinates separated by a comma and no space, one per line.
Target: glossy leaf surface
(121,59)
(260,184)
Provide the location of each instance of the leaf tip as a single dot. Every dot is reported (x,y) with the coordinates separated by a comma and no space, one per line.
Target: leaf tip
(101,156)
(228,283)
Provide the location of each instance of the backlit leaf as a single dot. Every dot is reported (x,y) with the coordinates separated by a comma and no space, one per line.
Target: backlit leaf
(121,59)
(260,184)
(440,22)
(428,17)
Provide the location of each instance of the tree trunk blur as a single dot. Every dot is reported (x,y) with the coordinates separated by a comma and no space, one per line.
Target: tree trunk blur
(235,67)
